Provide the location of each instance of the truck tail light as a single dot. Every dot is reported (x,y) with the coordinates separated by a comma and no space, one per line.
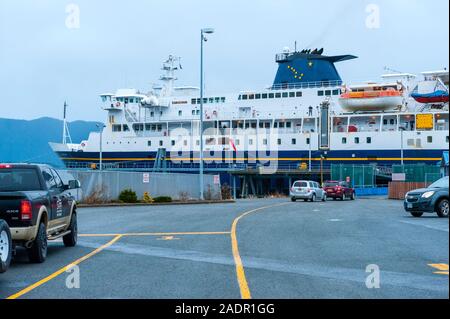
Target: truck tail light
(5,166)
(26,211)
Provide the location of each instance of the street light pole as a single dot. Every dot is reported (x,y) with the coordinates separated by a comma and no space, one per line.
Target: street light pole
(401,147)
(310,160)
(101,127)
(203,39)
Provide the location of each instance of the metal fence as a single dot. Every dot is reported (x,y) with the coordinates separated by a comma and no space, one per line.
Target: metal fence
(420,173)
(109,184)
(361,176)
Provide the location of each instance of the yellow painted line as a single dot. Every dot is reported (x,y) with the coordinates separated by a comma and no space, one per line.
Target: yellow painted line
(240,272)
(443,269)
(156,234)
(64,269)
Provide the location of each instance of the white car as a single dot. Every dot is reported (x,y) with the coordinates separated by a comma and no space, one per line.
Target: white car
(308,191)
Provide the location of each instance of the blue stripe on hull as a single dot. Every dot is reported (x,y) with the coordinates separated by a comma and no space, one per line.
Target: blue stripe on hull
(381,157)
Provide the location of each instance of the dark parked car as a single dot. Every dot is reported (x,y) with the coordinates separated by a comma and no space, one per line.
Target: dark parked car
(433,199)
(37,206)
(5,246)
(341,190)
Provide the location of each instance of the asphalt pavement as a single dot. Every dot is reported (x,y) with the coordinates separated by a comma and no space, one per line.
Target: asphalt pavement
(265,248)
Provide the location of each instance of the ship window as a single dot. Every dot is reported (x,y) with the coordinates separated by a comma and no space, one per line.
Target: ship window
(410,142)
(223,99)
(320,93)
(299,94)
(261,125)
(193,112)
(161,143)
(336,92)
(328,92)
(180,113)
(126,128)
(277,95)
(149,143)
(253,125)
(430,139)
(173,143)
(281,125)
(159,127)
(199,101)
(271,95)
(194,101)
(446,139)
(148,127)
(152,114)
(131,100)
(291,94)
(267,125)
(344,140)
(279,141)
(294,141)
(265,141)
(126,100)
(264,96)
(385,122)
(369,140)
(211,100)
(258,96)
(217,99)
(250,142)
(288,124)
(308,141)
(245,97)
(275,125)
(198,112)
(117,128)
(240,97)
(356,140)
(285,94)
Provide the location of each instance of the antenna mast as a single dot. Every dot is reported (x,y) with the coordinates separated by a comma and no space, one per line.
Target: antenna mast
(66,133)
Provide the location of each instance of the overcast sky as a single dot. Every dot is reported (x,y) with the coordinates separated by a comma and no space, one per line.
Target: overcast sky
(46,57)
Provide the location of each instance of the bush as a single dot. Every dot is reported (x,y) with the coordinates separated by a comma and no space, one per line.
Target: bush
(128,196)
(162,199)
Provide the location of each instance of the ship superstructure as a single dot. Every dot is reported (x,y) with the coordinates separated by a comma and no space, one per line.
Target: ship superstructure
(306,115)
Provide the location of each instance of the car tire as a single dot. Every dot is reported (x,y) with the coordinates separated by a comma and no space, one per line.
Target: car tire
(324,198)
(70,240)
(442,208)
(334,198)
(353,197)
(305,200)
(417,214)
(38,251)
(5,246)
(344,197)
(313,198)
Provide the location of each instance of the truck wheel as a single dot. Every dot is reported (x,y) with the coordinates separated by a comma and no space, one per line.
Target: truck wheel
(70,240)
(38,251)
(417,214)
(443,208)
(5,246)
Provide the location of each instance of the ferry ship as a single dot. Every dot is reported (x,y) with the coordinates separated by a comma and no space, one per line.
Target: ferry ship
(307,115)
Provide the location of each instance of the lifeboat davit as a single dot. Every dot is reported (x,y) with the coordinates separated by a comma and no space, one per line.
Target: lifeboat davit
(434,97)
(371,100)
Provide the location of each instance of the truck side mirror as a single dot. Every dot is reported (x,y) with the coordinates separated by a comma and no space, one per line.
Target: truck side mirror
(74,184)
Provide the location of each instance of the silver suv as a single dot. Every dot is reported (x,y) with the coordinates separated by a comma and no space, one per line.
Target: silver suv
(308,191)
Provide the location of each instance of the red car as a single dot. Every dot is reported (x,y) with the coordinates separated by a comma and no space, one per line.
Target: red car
(341,190)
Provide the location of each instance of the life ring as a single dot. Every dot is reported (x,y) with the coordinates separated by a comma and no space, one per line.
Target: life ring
(118,104)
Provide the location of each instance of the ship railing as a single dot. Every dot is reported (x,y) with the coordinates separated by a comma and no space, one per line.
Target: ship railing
(194,167)
(306,85)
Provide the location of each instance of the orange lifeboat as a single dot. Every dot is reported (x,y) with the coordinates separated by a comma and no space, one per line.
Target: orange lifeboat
(371,98)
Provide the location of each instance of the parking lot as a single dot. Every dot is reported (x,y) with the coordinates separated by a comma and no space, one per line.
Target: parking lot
(267,248)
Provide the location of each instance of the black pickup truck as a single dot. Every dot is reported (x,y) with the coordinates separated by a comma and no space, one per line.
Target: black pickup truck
(37,206)
(5,246)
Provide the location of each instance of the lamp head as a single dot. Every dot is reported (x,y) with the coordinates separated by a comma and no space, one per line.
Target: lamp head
(208,31)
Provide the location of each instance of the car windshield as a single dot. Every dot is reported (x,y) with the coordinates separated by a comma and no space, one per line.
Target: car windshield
(301,184)
(331,184)
(19,180)
(443,182)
